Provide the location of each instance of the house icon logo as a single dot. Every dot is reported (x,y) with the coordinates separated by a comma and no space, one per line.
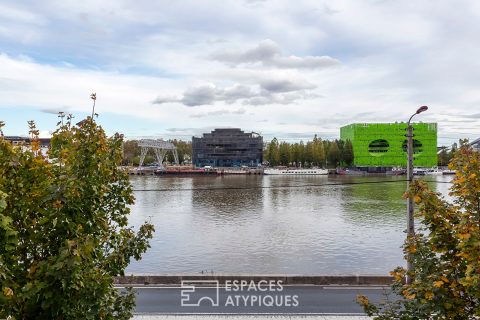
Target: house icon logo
(196,293)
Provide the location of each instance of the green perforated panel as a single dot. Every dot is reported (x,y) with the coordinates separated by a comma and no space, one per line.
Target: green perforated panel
(383,144)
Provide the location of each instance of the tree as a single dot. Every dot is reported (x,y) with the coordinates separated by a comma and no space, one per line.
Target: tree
(318,152)
(130,152)
(326,148)
(184,151)
(67,215)
(294,155)
(333,153)
(341,147)
(309,153)
(348,153)
(284,153)
(453,150)
(443,157)
(301,154)
(272,153)
(445,253)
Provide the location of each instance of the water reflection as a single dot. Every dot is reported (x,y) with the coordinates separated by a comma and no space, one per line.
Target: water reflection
(271,228)
(227,206)
(375,204)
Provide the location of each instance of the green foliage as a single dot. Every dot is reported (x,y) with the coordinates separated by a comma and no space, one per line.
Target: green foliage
(131,153)
(314,153)
(348,153)
(272,153)
(63,226)
(184,151)
(284,154)
(443,158)
(334,155)
(445,253)
(318,156)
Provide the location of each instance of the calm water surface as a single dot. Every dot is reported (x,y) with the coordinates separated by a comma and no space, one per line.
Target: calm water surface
(276,224)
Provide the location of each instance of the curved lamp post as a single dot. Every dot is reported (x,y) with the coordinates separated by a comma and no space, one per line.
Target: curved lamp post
(410,220)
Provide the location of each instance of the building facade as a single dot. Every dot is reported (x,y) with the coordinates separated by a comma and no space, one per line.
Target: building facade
(385,144)
(227,148)
(475,144)
(16,140)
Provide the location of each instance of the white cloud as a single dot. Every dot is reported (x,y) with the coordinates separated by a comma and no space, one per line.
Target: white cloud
(284,85)
(49,88)
(200,95)
(220,112)
(394,56)
(268,91)
(268,53)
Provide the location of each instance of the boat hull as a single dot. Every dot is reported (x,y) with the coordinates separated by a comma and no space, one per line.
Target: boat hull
(295,172)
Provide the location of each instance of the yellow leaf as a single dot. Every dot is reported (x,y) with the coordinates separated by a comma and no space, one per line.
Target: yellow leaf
(438,283)
(7,292)
(465,236)
(412,248)
(460,180)
(411,296)
(429,295)
(396,275)
(362,300)
(408,295)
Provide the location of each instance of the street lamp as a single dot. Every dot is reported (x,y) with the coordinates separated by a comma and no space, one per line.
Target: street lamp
(410,221)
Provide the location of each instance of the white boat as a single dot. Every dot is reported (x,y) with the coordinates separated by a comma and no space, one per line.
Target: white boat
(293,172)
(419,172)
(448,171)
(433,172)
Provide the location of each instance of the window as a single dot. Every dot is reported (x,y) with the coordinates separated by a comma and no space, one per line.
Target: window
(417,146)
(378,147)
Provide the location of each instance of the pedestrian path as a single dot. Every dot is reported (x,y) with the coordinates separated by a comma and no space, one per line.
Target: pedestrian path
(248,317)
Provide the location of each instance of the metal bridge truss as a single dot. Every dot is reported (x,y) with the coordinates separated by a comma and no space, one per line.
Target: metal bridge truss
(160,148)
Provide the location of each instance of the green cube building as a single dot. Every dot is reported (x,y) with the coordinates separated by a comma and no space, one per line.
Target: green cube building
(385,144)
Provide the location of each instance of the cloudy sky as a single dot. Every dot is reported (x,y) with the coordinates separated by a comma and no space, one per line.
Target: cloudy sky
(288,69)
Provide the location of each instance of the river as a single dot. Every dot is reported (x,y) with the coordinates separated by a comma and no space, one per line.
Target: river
(330,225)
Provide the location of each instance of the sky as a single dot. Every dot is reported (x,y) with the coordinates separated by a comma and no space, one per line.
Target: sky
(285,69)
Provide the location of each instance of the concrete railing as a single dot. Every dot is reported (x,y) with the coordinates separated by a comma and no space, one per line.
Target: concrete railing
(176,279)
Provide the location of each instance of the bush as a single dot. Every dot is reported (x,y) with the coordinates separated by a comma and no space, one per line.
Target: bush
(445,252)
(63,226)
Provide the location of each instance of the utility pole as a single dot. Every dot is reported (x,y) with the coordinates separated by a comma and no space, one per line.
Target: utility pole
(410,219)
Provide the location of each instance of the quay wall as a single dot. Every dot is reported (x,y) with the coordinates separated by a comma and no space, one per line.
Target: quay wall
(176,279)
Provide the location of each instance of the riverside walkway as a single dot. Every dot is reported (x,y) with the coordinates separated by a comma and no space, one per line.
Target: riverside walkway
(254,295)
(312,300)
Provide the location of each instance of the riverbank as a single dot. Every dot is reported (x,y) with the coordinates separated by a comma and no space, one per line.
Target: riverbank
(247,316)
(187,171)
(290,279)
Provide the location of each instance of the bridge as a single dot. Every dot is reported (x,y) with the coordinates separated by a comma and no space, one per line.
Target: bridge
(475,145)
(160,149)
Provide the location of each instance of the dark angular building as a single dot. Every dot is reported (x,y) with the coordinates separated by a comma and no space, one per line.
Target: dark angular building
(227,148)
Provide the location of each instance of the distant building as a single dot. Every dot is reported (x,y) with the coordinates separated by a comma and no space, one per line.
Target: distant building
(227,148)
(16,140)
(385,144)
(475,144)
